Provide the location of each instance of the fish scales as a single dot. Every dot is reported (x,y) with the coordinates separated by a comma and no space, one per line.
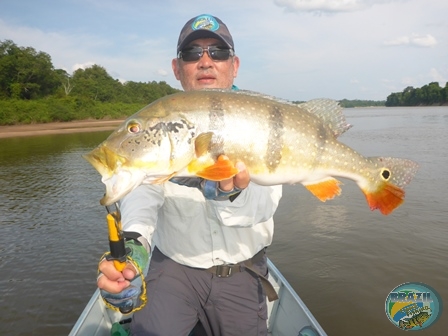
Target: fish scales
(265,145)
(184,134)
(262,147)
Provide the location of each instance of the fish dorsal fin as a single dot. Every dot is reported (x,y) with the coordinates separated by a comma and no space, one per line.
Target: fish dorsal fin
(330,112)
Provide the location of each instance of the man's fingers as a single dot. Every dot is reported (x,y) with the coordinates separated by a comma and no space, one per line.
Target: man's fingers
(226,185)
(111,286)
(242,179)
(112,280)
(129,271)
(108,269)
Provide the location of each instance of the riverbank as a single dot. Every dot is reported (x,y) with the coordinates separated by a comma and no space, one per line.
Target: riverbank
(59,128)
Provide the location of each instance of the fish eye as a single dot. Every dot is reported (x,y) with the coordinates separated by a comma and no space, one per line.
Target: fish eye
(133,127)
(385,173)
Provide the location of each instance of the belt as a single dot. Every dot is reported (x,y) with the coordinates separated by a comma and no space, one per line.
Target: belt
(226,270)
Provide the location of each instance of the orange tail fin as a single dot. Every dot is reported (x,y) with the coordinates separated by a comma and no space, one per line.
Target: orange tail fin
(325,190)
(386,199)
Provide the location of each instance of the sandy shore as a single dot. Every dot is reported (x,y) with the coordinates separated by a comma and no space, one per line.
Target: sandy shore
(58,128)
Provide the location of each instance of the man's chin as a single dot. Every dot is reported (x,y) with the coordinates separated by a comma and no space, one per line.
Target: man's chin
(207,84)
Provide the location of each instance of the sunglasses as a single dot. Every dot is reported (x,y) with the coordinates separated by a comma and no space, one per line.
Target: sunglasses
(193,54)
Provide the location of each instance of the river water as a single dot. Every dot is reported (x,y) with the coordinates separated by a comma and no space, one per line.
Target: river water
(341,258)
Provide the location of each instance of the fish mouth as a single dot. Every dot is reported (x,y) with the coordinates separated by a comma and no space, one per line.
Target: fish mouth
(119,185)
(118,179)
(104,160)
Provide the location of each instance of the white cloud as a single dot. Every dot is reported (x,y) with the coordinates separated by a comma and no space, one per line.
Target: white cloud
(414,40)
(162,72)
(423,40)
(403,40)
(327,5)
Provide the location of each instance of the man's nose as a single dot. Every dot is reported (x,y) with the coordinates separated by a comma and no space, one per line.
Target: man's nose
(205,61)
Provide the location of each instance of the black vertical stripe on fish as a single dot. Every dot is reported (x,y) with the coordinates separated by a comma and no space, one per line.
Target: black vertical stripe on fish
(275,138)
(216,114)
(216,122)
(321,135)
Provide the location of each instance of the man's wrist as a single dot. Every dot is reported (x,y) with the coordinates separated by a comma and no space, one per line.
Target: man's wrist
(138,239)
(211,190)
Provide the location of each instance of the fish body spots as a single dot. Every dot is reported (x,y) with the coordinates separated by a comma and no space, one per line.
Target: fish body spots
(273,154)
(216,114)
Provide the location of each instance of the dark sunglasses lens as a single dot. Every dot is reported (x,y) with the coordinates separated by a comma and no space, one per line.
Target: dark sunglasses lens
(219,54)
(215,53)
(192,54)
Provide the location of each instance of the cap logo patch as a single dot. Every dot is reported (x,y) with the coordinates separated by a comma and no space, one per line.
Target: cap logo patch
(205,22)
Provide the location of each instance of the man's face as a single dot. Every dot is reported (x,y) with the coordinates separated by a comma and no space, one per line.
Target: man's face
(206,73)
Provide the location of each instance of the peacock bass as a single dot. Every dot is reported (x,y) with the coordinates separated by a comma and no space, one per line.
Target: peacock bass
(204,133)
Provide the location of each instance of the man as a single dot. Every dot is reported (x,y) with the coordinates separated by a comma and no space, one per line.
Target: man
(207,240)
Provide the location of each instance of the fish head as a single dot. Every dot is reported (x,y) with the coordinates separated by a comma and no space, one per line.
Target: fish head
(140,150)
(423,317)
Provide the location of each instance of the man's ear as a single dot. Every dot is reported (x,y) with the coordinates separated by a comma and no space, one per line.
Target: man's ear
(236,65)
(175,66)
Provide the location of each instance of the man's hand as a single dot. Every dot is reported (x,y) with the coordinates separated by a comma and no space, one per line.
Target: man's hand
(112,280)
(240,180)
(218,191)
(116,287)
(227,189)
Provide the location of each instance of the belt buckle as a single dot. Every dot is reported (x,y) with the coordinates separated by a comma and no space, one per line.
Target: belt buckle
(223,271)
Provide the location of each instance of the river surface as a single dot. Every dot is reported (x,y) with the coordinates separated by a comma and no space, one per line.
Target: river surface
(341,258)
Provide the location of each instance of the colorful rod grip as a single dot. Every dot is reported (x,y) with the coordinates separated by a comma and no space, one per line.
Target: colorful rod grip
(116,243)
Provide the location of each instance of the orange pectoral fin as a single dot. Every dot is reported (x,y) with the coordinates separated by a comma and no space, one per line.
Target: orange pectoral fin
(220,170)
(325,190)
(386,198)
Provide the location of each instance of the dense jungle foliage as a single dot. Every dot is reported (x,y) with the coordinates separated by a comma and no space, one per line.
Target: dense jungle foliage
(33,91)
(431,94)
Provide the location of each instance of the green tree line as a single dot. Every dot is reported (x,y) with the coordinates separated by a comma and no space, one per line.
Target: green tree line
(348,103)
(430,94)
(361,103)
(33,91)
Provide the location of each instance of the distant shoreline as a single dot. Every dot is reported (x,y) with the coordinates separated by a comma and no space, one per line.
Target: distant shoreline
(58,128)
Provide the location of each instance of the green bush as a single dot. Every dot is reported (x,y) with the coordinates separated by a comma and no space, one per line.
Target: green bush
(14,111)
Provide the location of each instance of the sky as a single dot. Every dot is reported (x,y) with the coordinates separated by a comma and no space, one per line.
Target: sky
(291,49)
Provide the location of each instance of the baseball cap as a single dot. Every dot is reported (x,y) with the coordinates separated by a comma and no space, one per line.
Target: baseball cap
(204,26)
